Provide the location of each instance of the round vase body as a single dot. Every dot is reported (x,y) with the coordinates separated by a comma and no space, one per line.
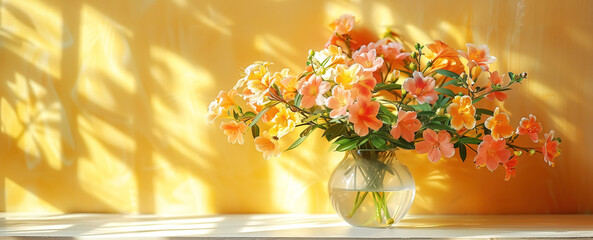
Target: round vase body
(371,188)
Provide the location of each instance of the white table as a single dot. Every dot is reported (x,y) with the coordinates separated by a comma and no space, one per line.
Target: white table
(287,226)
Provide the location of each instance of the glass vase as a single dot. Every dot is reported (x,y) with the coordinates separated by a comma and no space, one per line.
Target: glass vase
(371,188)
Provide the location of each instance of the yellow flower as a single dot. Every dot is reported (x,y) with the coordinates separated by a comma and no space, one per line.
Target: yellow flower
(284,122)
(255,71)
(462,113)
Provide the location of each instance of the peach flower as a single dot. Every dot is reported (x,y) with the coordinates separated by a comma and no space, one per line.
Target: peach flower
(462,112)
(550,148)
(255,71)
(312,91)
(288,85)
(529,126)
(260,88)
(509,167)
(406,126)
(267,145)
(342,25)
(215,110)
(363,114)
(234,130)
(479,54)
(491,152)
(444,57)
(284,121)
(496,80)
(391,51)
(339,102)
(498,123)
(422,88)
(436,145)
(368,60)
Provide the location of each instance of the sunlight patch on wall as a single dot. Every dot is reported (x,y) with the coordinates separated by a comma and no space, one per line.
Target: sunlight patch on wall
(23,199)
(35,31)
(279,49)
(215,20)
(382,18)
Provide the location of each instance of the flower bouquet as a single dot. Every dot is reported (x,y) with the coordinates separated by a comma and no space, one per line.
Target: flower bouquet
(370,96)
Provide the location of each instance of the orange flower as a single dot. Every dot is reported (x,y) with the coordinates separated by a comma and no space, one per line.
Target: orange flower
(444,57)
(479,54)
(342,25)
(529,127)
(288,85)
(284,122)
(422,88)
(499,125)
(550,148)
(491,152)
(406,126)
(509,167)
(462,113)
(496,80)
(363,114)
(436,145)
(234,130)
(354,78)
(267,145)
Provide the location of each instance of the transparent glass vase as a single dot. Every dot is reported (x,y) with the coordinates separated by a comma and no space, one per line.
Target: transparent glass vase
(371,188)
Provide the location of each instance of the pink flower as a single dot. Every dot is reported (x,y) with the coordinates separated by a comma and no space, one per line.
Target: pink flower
(496,80)
(343,25)
(479,54)
(312,91)
(369,60)
(509,167)
(529,127)
(234,130)
(363,114)
(436,145)
(339,102)
(406,126)
(550,148)
(491,152)
(422,88)
(391,51)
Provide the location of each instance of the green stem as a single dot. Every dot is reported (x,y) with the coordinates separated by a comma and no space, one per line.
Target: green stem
(357,203)
(378,206)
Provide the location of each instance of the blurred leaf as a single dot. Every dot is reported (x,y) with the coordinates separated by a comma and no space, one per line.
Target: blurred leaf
(422,107)
(462,152)
(447,73)
(445,91)
(480,111)
(469,140)
(297,100)
(378,142)
(389,86)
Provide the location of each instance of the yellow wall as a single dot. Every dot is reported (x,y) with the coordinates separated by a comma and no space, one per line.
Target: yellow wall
(102,103)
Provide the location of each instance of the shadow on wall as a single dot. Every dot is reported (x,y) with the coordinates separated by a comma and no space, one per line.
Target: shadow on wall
(103,103)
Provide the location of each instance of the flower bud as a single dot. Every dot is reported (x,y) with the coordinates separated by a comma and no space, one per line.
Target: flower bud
(523,75)
(518,153)
(440,111)
(429,64)
(413,66)
(531,152)
(414,54)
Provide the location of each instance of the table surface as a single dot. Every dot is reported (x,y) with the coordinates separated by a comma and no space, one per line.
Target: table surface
(287,226)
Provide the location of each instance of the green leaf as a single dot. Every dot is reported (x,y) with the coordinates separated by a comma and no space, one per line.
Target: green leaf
(477,99)
(480,111)
(389,86)
(401,144)
(469,140)
(296,143)
(335,131)
(259,115)
(462,152)
(297,100)
(378,142)
(249,114)
(426,113)
(450,82)
(387,112)
(349,145)
(445,91)
(422,107)
(447,73)
(255,131)
(311,118)
(385,119)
